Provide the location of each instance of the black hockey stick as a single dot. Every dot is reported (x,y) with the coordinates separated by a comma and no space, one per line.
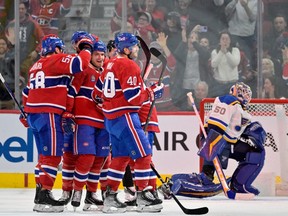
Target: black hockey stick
(162,58)
(147,54)
(12,95)
(195,211)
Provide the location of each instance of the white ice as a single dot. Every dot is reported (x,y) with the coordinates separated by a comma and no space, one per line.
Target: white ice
(20,202)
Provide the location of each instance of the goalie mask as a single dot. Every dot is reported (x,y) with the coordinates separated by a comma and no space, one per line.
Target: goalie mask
(242,92)
(49,44)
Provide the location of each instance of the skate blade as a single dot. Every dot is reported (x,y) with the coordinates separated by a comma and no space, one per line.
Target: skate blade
(48,208)
(90,207)
(149,208)
(112,209)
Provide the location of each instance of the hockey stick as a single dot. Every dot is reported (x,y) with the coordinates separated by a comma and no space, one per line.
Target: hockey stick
(147,55)
(12,95)
(221,176)
(196,211)
(162,58)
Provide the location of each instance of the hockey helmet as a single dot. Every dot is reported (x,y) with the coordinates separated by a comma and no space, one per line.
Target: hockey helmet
(242,92)
(125,40)
(49,44)
(77,36)
(99,46)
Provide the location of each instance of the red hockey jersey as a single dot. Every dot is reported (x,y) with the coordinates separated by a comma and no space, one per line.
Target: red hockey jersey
(123,88)
(85,109)
(49,78)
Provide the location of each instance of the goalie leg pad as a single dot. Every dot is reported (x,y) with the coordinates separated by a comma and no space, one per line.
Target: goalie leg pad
(194,178)
(212,146)
(247,171)
(182,187)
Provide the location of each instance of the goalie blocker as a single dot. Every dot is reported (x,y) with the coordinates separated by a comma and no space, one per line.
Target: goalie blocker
(248,151)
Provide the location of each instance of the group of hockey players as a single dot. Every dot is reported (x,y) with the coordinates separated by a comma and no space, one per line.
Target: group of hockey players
(78,111)
(88,111)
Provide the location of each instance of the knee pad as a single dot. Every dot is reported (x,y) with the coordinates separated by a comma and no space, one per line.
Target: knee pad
(247,171)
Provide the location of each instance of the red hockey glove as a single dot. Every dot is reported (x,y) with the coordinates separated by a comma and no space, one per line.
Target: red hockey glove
(68,124)
(85,43)
(156,91)
(23,120)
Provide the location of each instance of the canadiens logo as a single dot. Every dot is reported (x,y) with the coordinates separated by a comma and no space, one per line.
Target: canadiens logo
(43,21)
(93,78)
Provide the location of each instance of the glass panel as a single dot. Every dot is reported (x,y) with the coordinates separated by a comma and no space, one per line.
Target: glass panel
(185,31)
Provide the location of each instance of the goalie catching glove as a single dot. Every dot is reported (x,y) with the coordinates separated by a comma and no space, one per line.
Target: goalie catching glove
(68,124)
(155,91)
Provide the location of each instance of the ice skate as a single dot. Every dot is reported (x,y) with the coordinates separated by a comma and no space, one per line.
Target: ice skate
(36,198)
(165,189)
(130,197)
(147,202)
(47,203)
(66,197)
(76,199)
(112,204)
(92,202)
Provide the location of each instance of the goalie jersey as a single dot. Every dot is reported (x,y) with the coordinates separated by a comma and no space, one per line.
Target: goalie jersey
(228,118)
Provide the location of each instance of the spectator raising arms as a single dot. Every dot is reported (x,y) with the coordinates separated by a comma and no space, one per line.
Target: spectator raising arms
(224,61)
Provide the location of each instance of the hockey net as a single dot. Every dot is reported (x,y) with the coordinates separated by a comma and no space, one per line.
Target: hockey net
(273,115)
(257,107)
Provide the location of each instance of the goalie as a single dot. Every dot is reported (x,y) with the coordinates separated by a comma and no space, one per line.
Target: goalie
(230,135)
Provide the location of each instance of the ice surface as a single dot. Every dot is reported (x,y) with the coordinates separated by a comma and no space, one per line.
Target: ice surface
(20,202)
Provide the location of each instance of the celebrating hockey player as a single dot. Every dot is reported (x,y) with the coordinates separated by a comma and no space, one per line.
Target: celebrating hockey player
(123,94)
(48,77)
(239,139)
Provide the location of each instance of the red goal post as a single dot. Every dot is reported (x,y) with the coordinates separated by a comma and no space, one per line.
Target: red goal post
(273,115)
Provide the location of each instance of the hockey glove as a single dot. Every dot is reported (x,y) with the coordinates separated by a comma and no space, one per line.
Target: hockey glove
(23,120)
(85,43)
(68,124)
(156,91)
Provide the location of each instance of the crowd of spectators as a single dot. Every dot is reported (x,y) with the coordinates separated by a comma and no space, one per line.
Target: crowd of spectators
(213,42)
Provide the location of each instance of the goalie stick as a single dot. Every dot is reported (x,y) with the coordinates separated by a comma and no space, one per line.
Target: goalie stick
(147,53)
(221,176)
(195,211)
(12,95)
(162,58)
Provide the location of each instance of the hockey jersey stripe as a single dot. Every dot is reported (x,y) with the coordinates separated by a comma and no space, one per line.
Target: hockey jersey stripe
(135,135)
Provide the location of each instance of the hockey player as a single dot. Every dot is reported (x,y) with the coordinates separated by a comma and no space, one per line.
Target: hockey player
(150,130)
(91,140)
(69,158)
(123,94)
(44,100)
(240,140)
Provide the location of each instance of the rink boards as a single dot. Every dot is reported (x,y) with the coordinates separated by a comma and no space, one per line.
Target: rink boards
(174,151)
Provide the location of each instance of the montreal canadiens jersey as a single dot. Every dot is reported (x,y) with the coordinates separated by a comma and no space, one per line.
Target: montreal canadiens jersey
(49,78)
(121,87)
(47,16)
(228,117)
(85,109)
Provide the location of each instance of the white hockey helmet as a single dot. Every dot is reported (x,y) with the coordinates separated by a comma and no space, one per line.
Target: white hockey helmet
(242,92)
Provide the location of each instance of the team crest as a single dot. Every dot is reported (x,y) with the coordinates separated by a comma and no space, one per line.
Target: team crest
(93,78)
